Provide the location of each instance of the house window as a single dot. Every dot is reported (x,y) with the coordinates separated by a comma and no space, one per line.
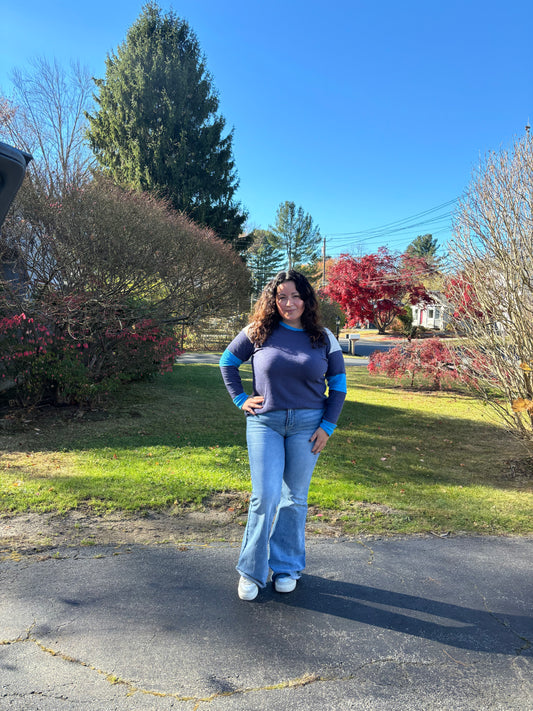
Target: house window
(430,313)
(437,313)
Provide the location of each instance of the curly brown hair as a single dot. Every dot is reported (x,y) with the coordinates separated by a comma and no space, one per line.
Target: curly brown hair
(266,318)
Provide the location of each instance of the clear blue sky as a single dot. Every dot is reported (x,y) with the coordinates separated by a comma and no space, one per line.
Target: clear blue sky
(364,113)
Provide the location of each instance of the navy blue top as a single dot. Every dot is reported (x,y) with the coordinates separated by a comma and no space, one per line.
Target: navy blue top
(289,372)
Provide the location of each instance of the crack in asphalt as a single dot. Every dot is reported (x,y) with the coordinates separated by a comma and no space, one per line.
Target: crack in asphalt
(371,556)
(526,643)
(372,559)
(304,680)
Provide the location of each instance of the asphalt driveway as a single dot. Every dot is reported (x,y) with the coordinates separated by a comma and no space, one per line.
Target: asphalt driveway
(419,623)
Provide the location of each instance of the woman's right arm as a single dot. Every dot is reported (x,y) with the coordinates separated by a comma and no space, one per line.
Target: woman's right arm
(238,352)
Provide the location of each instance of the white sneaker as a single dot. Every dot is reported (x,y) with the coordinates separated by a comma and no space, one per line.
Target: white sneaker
(284,584)
(247,590)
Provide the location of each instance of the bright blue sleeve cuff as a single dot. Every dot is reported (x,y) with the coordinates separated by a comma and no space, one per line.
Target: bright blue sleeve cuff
(240,400)
(227,358)
(328,427)
(337,382)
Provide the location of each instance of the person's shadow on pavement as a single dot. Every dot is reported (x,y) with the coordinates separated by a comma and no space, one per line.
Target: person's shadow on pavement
(468,628)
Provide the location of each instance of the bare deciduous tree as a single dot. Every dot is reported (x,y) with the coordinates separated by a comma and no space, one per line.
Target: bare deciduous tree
(492,252)
(45,116)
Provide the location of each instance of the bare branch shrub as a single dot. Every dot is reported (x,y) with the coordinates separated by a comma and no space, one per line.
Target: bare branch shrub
(492,252)
(102,258)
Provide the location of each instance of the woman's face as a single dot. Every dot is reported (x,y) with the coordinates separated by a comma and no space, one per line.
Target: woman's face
(290,304)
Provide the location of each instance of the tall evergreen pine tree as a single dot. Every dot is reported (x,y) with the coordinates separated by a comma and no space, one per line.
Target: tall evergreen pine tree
(294,234)
(156,126)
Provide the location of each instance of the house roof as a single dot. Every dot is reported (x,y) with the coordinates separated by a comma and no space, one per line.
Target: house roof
(438,299)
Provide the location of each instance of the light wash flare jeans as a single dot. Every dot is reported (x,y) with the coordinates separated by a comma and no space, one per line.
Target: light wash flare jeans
(281,466)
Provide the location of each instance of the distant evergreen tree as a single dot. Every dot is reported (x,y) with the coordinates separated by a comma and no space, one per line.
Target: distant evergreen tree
(263,260)
(156,126)
(424,246)
(295,234)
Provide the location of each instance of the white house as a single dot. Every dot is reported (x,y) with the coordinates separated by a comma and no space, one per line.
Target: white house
(435,316)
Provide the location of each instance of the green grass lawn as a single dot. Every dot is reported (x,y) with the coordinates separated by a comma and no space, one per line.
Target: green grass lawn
(400,461)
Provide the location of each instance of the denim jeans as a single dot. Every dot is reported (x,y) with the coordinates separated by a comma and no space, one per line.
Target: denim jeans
(281,466)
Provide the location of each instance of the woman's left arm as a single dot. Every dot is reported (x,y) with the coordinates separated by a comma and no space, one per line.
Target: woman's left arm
(336,382)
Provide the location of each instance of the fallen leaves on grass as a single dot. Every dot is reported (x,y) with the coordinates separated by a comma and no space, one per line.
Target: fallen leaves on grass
(522,405)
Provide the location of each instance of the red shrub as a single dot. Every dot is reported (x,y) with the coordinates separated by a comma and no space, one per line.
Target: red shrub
(42,363)
(140,351)
(430,359)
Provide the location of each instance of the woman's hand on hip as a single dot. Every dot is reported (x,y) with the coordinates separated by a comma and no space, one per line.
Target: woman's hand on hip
(252,404)
(320,439)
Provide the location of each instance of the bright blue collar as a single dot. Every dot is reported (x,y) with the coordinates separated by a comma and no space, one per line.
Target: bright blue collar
(290,328)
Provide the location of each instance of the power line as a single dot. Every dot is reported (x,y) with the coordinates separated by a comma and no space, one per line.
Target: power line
(427,219)
(354,243)
(433,227)
(396,223)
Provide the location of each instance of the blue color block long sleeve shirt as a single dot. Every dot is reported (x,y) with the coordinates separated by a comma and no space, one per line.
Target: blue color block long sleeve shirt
(289,372)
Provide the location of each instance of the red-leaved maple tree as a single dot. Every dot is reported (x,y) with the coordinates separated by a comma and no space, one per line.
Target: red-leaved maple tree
(428,359)
(375,287)
(462,294)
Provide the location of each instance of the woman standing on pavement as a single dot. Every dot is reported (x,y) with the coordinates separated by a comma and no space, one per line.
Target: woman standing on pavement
(289,419)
